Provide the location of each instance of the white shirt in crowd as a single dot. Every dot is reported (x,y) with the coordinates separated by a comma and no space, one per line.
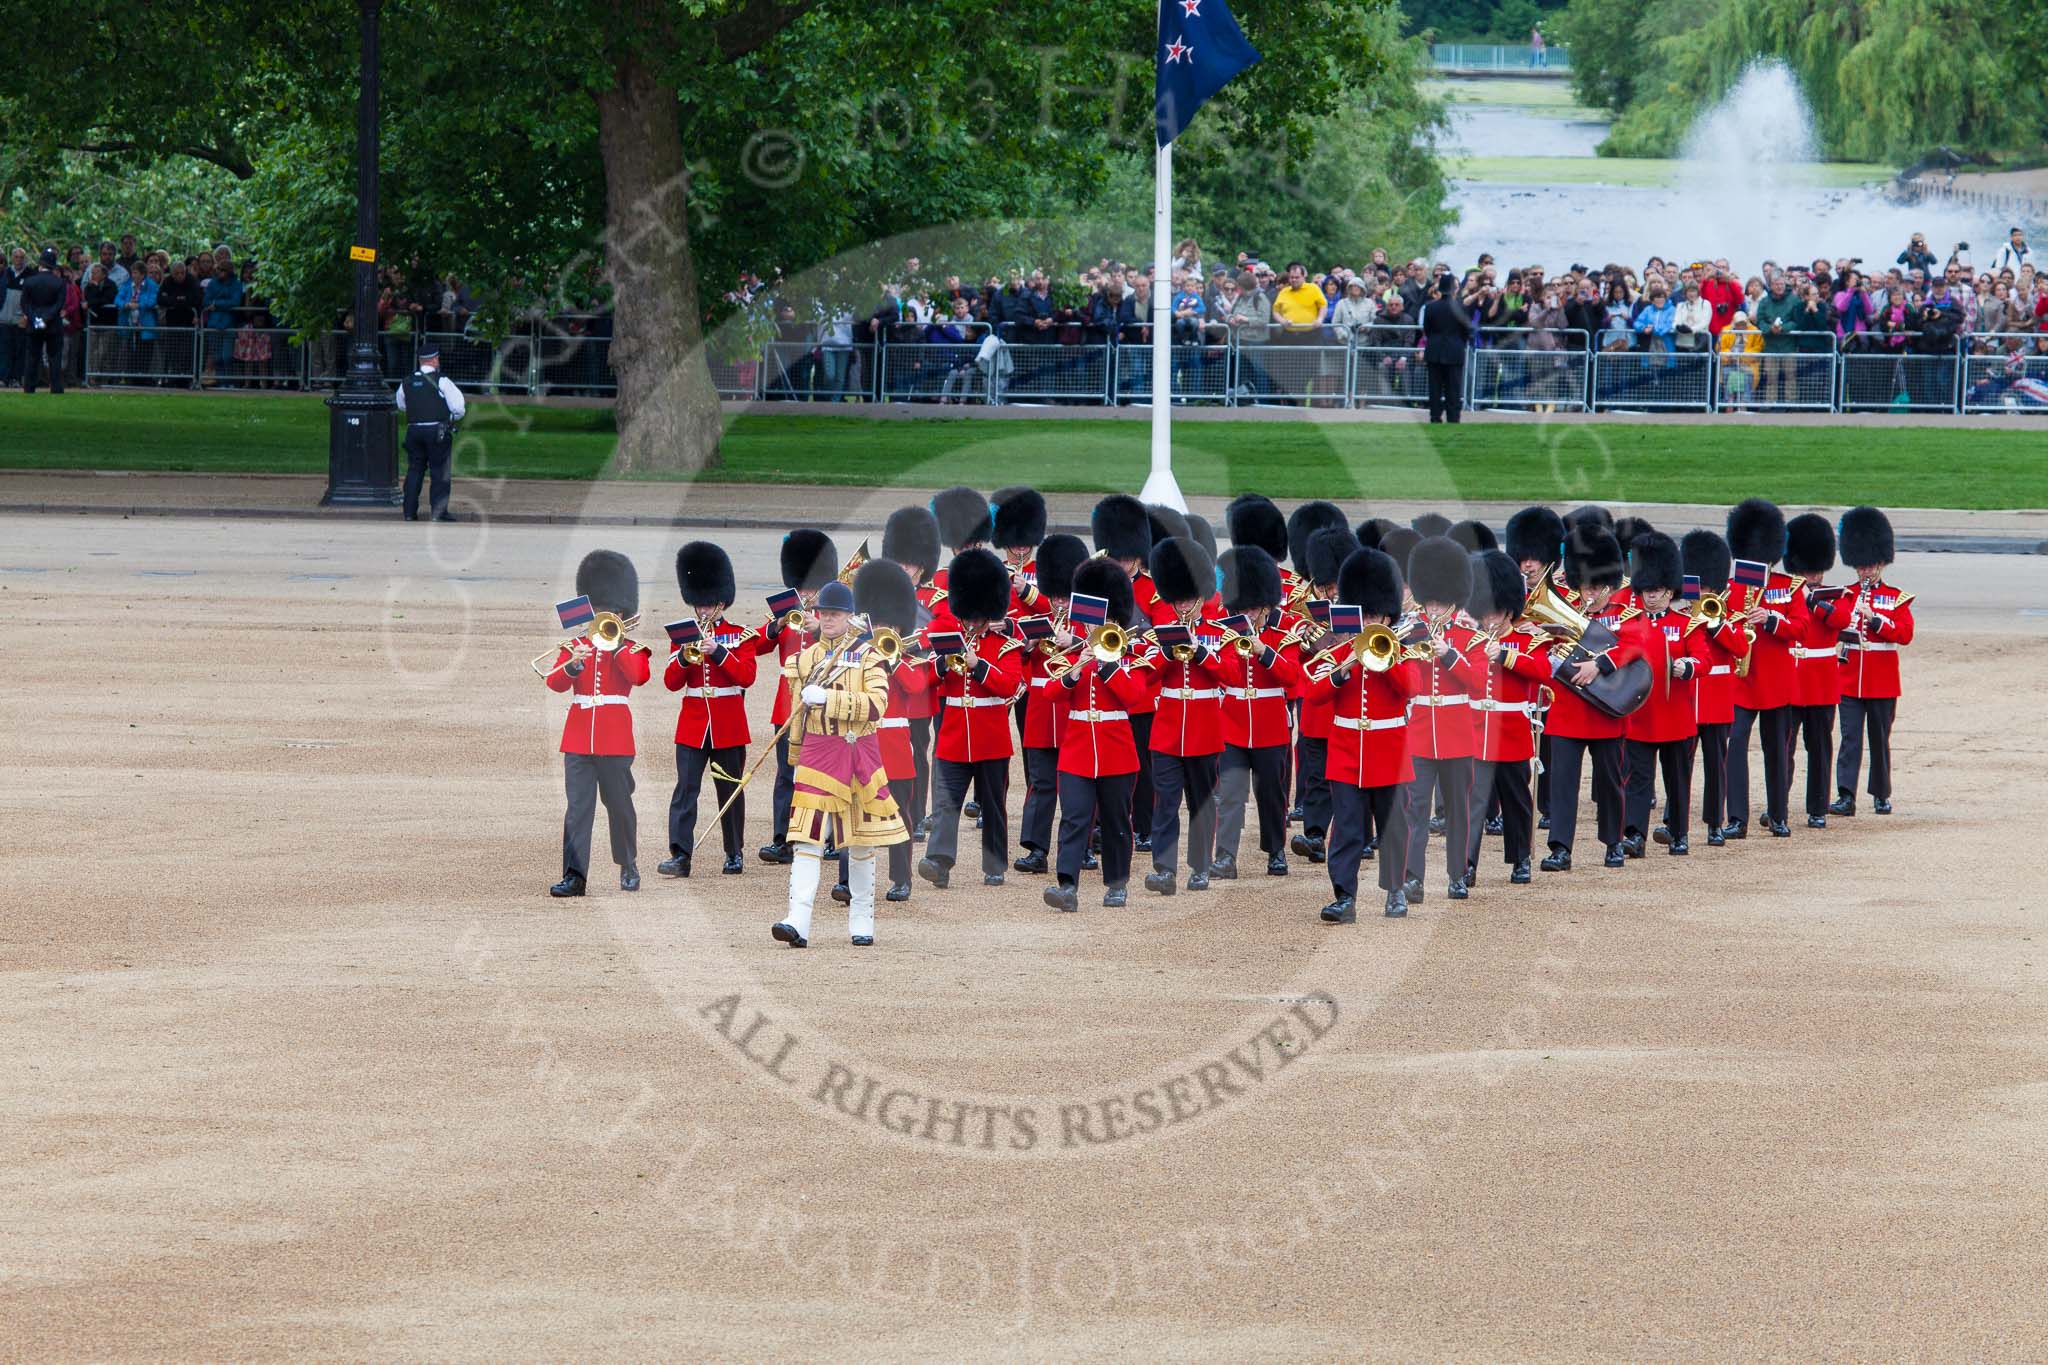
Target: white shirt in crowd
(2012,257)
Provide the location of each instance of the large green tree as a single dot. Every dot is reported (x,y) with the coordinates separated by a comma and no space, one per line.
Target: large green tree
(656,148)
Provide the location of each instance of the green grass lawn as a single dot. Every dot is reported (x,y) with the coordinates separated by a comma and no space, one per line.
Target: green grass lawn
(1606,459)
(1532,95)
(1635,172)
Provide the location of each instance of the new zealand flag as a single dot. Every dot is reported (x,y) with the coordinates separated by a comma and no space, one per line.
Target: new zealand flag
(1200,49)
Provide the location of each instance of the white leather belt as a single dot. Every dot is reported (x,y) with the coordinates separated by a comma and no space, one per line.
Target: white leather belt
(969,703)
(1353,723)
(1188,694)
(585,703)
(893,723)
(1256,693)
(1719,669)
(1876,646)
(1040,682)
(714,691)
(1447,699)
(1093,716)
(1801,652)
(1491,704)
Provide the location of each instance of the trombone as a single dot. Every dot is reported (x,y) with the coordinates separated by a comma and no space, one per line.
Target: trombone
(1710,610)
(607,628)
(1377,649)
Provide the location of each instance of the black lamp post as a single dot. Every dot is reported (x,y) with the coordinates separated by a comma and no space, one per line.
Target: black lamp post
(362,436)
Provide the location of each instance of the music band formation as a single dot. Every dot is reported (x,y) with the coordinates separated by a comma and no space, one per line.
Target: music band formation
(1369,692)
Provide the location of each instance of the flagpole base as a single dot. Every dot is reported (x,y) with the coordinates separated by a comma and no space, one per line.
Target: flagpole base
(1163,490)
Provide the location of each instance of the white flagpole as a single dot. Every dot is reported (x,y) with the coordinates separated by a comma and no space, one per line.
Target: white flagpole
(1161,487)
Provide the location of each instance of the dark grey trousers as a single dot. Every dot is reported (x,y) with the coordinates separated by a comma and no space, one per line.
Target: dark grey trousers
(586,777)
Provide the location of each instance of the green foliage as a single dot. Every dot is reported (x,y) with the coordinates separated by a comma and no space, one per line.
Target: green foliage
(1888,79)
(179,203)
(1484,21)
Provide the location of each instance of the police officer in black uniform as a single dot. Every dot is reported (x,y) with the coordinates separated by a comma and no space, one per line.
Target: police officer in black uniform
(432,406)
(42,317)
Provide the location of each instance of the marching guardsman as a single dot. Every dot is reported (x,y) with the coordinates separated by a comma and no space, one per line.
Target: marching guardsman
(598,670)
(1368,756)
(1304,524)
(1259,672)
(1776,617)
(1439,714)
(1816,673)
(1045,702)
(1880,623)
(910,540)
(885,595)
(1122,529)
(1187,726)
(1575,727)
(1017,518)
(1535,541)
(1098,748)
(1664,731)
(1253,519)
(965,523)
(842,790)
(1205,536)
(1327,551)
(976,673)
(809,561)
(713,674)
(1720,647)
(1503,742)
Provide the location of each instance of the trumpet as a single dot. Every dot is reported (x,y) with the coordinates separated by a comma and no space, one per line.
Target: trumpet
(1109,639)
(1710,610)
(1377,649)
(886,643)
(607,628)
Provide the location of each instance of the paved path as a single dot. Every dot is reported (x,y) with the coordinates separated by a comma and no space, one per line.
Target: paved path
(618,503)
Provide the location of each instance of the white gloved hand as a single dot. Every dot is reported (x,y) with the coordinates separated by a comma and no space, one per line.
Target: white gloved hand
(815,695)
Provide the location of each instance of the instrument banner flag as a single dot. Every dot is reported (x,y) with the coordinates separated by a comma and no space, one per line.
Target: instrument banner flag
(1691,591)
(1750,573)
(1035,627)
(1087,612)
(784,602)
(575,613)
(684,632)
(947,642)
(1319,610)
(1346,619)
(1169,636)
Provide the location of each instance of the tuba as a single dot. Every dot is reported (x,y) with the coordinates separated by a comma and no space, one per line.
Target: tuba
(1616,694)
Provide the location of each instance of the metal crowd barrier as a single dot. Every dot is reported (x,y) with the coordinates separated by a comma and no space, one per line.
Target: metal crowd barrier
(1653,380)
(1310,372)
(935,372)
(1799,380)
(1387,368)
(2012,377)
(1056,374)
(1507,372)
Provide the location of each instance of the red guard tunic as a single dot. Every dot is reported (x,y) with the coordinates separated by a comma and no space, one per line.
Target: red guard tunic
(784,647)
(1439,715)
(1190,720)
(1317,705)
(1097,739)
(974,722)
(1769,683)
(1816,672)
(714,711)
(1255,692)
(1671,711)
(922,705)
(1045,704)
(1500,706)
(1369,722)
(909,694)
(600,721)
(1720,650)
(1571,716)
(1870,657)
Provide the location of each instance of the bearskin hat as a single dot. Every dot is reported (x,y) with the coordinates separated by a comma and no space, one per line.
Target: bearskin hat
(1204,533)
(704,573)
(809,560)
(1251,579)
(1431,524)
(1809,544)
(1018,517)
(1371,581)
(911,536)
(1866,538)
(1400,543)
(1252,519)
(1106,578)
(1308,519)
(963,517)
(1182,570)
(1496,585)
(1373,530)
(1535,533)
(1592,514)
(1654,562)
(610,581)
(1592,558)
(1756,530)
(1626,529)
(978,586)
(1122,528)
(1059,554)
(1166,523)
(885,595)
(1474,536)
(1440,571)
(1327,551)
(1705,556)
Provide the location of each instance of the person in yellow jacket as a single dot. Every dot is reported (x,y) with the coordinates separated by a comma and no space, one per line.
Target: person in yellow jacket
(1740,343)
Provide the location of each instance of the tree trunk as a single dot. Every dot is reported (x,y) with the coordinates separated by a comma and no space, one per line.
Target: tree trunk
(667,410)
